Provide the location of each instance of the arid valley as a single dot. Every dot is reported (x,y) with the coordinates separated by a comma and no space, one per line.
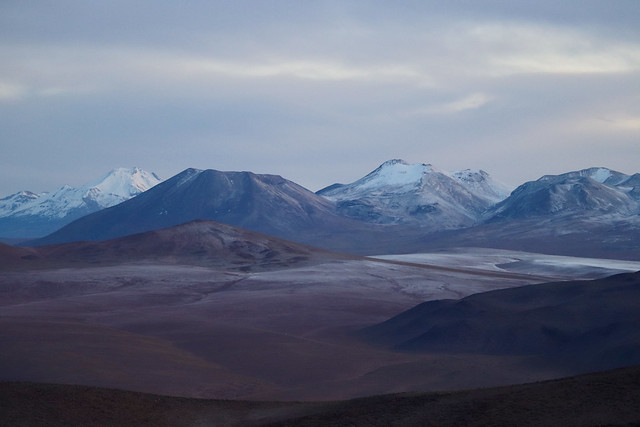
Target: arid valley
(265,320)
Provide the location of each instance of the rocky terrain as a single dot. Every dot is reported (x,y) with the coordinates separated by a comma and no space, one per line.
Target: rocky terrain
(607,398)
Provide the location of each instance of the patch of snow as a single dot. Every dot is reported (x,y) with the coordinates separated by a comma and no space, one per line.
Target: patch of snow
(394,173)
(188,175)
(482,185)
(601,175)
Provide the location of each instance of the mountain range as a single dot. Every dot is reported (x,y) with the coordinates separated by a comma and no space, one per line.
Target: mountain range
(28,215)
(594,212)
(398,207)
(189,289)
(267,204)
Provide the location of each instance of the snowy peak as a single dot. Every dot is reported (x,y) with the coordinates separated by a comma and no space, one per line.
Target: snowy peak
(27,214)
(401,176)
(598,174)
(400,192)
(482,185)
(396,174)
(16,201)
(109,190)
(118,185)
(593,191)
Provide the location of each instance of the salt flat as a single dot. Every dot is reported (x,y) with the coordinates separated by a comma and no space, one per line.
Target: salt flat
(554,267)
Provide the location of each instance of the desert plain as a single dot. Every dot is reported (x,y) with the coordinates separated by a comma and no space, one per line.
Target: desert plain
(267,332)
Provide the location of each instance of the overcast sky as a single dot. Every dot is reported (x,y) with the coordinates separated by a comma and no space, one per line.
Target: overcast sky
(316,91)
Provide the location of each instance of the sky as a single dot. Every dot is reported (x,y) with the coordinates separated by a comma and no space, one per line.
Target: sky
(316,91)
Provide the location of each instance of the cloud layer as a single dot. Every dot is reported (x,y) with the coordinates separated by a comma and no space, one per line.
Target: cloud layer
(317,91)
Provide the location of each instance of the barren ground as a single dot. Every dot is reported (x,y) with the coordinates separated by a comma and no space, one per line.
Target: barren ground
(608,398)
(284,334)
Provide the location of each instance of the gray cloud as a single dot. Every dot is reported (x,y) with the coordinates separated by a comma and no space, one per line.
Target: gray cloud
(318,91)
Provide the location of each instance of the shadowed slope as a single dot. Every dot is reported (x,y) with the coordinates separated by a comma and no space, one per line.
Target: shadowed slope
(262,203)
(589,325)
(608,398)
(71,352)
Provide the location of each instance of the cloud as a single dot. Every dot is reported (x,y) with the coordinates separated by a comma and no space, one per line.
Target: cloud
(11,92)
(59,70)
(607,125)
(469,102)
(527,48)
(304,69)
(448,56)
(261,85)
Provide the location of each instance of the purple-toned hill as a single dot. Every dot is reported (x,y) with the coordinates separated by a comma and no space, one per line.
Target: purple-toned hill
(205,243)
(263,203)
(587,325)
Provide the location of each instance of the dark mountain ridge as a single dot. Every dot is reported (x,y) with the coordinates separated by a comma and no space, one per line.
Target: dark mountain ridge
(587,325)
(263,203)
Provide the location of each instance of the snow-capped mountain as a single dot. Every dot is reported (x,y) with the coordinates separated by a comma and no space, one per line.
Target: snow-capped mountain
(592,212)
(588,192)
(418,194)
(26,214)
(482,185)
(264,203)
(17,201)
(398,207)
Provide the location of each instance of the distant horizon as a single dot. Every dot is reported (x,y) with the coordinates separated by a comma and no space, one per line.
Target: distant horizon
(163,178)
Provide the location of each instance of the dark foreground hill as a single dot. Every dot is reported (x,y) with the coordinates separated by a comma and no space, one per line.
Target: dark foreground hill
(589,325)
(606,398)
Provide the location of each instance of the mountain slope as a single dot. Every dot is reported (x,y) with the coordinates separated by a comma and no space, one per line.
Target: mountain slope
(605,398)
(26,214)
(416,194)
(593,212)
(206,243)
(264,203)
(588,325)
(588,192)
(397,208)
(481,184)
